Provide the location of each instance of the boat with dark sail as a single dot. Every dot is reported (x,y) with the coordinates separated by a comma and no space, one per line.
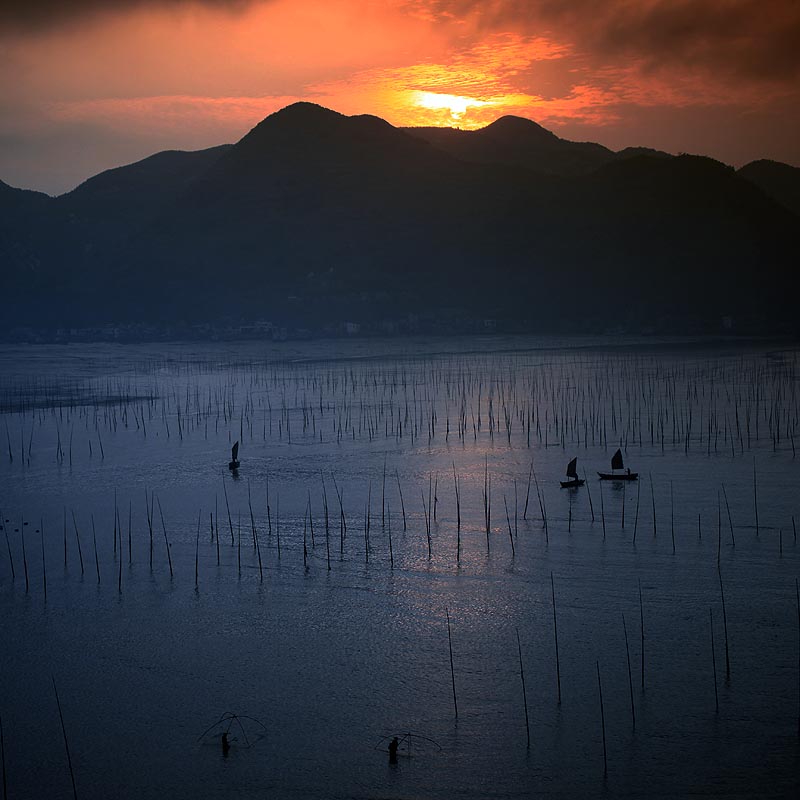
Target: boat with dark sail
(572,473)
(621,475)
(234,462)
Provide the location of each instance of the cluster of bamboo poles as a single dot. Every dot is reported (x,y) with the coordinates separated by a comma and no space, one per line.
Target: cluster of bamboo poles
(721,405)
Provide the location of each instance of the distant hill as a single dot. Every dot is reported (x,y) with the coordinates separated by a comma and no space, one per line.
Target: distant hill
(779,181)
(314,219)
(519,142)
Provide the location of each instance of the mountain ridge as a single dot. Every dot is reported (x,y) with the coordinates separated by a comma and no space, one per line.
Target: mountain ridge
(314,218)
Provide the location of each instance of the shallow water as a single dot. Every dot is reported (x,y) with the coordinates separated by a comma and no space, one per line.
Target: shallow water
(332,661)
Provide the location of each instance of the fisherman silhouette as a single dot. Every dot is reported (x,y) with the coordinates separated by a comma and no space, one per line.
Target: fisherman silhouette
(226,746)
(393,750)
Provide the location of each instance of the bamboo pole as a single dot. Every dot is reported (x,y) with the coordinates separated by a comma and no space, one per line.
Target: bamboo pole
(555,636)
(66,742)
(452,670)
(524,694)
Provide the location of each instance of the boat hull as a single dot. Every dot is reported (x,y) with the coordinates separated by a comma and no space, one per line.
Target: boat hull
(619,476)
(573,484)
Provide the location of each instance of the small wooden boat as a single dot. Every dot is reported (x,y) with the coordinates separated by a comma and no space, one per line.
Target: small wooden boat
(572,473)
(234,462)
(616,464)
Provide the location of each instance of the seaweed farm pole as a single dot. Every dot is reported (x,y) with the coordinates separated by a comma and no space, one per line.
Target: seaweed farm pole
(227,506)
(96,560)
(508,520)
(391,549)
(119,562)
(65,537)
(77,539)
(730,521)
(714,659)
(524,694)
(3,759)
(672,514)
(66,743)
(527,493)
(636,516)
(653,499)
(149,505)
(555,636)
(44,563)
(602,511)
(402,504)
(755,493)
(458,514)
(602,719)
(166,540)
(197,552)
(327,524)
(797,596)
(130,545)
(719,530)
(8,548)
(725,626)
(452,671)
(630,676)
(383,495)
(641,623)
(24,554)
(589,492)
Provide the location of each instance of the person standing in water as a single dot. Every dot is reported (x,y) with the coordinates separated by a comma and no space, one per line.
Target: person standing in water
(226,745)
(393,745)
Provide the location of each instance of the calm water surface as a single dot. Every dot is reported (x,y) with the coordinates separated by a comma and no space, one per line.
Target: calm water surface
(335,651)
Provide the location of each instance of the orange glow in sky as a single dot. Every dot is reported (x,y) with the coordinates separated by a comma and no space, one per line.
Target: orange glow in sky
(86,86)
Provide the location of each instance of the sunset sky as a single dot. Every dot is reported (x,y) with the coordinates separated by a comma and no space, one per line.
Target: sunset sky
(83,88)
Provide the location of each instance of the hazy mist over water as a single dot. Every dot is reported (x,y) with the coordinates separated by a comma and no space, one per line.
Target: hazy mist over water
(334,660)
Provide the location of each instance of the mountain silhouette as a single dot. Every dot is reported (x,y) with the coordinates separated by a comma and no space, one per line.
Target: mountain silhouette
(315,218)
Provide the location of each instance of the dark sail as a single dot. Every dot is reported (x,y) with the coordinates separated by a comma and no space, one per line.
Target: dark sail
(235,452)
(616,460)
(572,471)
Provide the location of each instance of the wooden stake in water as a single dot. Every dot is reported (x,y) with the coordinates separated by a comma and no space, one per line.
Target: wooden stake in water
(77,539)
(66,743)
(589,493)
(602,511)
(8,547)
(197,551)
(166,540)
(24,555)
(672,514)
(555,636)
(630,676)
(730,521)
(797,597)
(602,719)
(755,493)
(452,671)
(725,627)
(653,499)
(96,559)
(402,504)
(641,623)
(44,563)
(3,759)
(714,660)
(524,694)
(636,516)
(391,549)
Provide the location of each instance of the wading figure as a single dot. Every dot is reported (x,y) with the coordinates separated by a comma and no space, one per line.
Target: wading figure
(226,745)
(393,750)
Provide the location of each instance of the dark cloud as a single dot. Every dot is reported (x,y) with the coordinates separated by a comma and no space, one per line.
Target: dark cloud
(21,16)
(750,39)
